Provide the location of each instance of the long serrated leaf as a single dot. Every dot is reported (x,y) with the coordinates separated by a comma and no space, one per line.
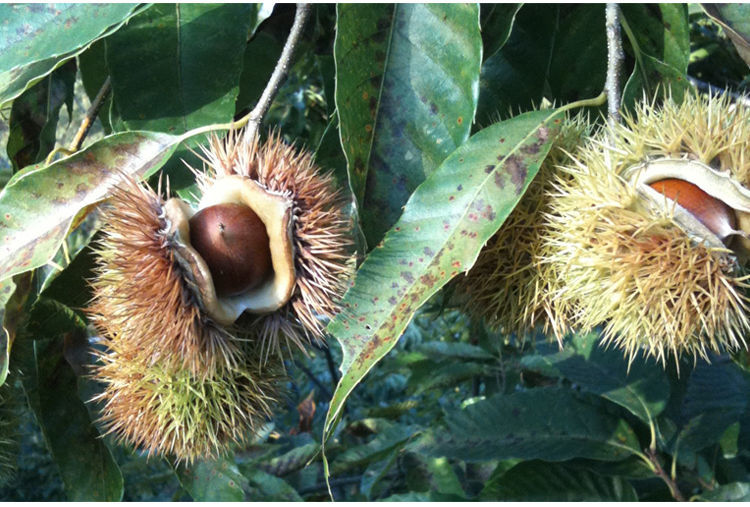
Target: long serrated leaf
(35,39)
(189,61)
(544,423)
(639,386)
(39,204)
(407,85)
(88,470)
(212,481)
(444,225)
(537,481)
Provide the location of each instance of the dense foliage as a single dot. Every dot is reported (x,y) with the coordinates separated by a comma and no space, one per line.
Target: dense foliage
(412,400)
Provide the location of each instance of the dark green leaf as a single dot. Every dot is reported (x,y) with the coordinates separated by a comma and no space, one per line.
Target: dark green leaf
(735,19)
(212,481)
(407,79)
(35,39)
(444,225)
(640,386)
(716,397)
(557,52)
(378,447)
(258,63)
(659,36)
(375,472)
(537,481)
(33,118)
(88,471)
(550,424)
(177,66)
(39,204)
(497,21)
(453,350)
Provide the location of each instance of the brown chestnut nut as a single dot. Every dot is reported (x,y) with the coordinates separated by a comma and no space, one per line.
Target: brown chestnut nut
(717,216)
(233,241)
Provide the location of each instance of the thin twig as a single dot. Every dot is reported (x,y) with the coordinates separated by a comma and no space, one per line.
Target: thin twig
(614,63)
(659,471)
(281,70)
(708,87)
(88,121)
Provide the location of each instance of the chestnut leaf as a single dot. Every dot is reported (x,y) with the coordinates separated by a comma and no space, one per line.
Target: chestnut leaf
(407,86)
(35,39)
(444,225)
(39,204)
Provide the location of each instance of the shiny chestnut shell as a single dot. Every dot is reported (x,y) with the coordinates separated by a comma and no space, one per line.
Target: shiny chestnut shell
(716,215)
(233,242)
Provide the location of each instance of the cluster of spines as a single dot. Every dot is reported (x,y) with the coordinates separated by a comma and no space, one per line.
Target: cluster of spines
(321,237)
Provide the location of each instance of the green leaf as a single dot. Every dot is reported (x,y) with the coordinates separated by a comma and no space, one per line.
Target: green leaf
(269,488)
(497,21)
(177,66)
(732,492)
(716,398)
(558,52)
(88,470)
(659,36)
(453,350)
(537,481)
(407,78)
(639,386)
(212,480)
(15,295)
(444,225)
(292,460)
(33,118)
(428,375)
(377,448)
(259,60)
(735,20)
(545,423)
(35,39)
(374,473)
(39,204)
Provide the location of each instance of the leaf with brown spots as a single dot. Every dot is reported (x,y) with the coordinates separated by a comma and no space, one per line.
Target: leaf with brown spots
(436,238)
(407,86)
(35,39)
(38,204)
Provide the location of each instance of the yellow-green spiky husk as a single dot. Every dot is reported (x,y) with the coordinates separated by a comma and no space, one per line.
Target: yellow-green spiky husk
(166,410)
(633,269)
(322,232)
(508,286)
(141,293)
(174,382)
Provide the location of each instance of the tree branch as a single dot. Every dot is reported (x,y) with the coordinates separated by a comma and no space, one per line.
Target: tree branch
(91,114)
(659,471)
(614,63)
(280,72)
